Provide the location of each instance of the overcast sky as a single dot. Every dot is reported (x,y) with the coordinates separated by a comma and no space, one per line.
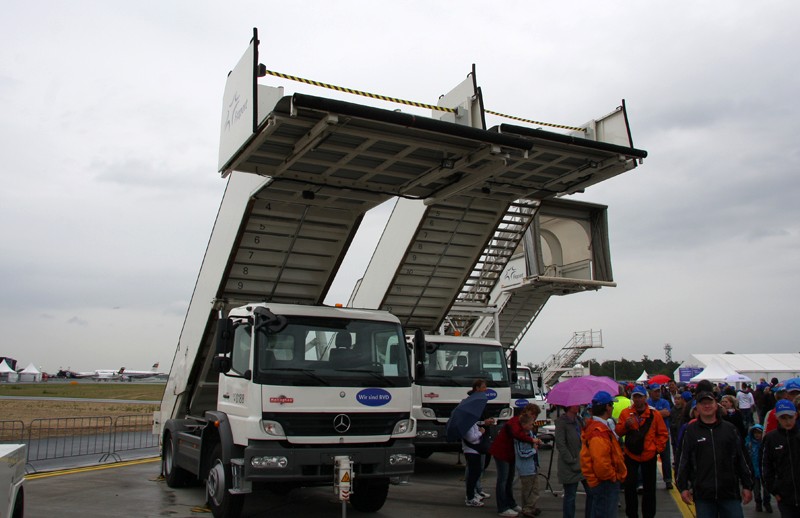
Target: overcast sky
(110,124)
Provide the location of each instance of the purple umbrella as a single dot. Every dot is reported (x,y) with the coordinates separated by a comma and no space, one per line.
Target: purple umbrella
(579,391)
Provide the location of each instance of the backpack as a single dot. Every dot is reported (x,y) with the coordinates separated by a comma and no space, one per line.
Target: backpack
(634,439)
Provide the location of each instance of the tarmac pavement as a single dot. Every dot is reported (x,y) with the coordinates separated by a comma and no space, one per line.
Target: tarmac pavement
(435,490)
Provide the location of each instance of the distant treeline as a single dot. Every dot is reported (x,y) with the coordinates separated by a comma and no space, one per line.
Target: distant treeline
(626,370)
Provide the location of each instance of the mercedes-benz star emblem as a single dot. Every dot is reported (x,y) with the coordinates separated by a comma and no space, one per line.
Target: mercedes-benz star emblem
(341,423)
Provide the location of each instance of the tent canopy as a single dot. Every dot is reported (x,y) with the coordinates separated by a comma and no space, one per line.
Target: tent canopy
(4,368)
(715,372)
(30,369)
(643,378)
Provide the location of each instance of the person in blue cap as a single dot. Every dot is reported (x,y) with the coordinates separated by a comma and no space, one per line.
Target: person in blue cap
(663,407)
(646,435)
(602,462)
(781,460)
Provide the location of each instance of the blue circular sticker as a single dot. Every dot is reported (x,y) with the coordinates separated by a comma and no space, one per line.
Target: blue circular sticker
(520,403)
(491,394)
(373,397)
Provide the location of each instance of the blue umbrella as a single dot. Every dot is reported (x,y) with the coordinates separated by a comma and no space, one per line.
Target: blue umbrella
(466,414)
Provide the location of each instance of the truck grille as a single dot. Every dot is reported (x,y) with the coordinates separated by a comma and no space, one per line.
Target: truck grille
(339,423)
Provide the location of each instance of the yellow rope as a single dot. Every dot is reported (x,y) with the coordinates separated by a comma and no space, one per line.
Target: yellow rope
(406,102)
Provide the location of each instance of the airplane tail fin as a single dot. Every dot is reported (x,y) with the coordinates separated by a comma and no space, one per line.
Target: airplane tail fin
(155,366)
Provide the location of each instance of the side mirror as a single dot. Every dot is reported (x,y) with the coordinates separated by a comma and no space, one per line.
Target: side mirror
(224,336)
(513,364)
(419,353)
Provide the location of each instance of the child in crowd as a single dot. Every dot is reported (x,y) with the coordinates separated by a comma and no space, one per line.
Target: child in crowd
(753,444)
(527,462)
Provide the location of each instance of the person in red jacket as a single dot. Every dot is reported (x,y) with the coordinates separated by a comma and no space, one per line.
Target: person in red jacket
(502,450)
(645,436)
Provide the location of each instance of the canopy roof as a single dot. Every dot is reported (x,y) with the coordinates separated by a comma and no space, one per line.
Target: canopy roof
(30,369)
(4,368)
(714,371)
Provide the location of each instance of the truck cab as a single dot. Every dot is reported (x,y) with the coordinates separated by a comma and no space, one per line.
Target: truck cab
(449,367)
(298,387)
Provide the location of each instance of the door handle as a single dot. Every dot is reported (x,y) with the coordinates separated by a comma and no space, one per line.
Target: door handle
(226,396)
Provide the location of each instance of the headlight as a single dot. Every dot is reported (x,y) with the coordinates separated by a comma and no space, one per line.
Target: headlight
(269,462)
(506,413)
(401,458)
(403,426)
(273,428)
(428,412)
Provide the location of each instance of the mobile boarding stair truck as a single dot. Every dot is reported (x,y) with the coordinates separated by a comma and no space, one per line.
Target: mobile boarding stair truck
(269,387)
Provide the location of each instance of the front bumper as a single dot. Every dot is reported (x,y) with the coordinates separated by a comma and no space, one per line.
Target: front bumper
(314,464)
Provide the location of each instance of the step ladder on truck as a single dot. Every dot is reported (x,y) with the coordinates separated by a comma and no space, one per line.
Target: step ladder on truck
(482,262)
(268,385)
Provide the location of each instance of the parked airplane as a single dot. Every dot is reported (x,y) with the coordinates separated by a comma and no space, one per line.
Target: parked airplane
(110,375)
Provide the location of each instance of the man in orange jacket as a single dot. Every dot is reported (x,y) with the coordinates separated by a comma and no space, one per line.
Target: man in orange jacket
(602,462)
(646,435)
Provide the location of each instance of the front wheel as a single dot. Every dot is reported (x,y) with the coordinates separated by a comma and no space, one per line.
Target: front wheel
(174,475)
(223,504)
(369,495)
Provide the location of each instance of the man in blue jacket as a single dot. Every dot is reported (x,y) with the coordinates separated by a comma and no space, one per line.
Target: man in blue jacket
(665,409)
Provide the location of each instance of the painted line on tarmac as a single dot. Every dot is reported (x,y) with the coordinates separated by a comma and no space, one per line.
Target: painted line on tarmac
(34,476)
(686,511)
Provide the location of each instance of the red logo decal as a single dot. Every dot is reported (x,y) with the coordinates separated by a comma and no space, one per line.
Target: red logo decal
(431,395)
(281,400)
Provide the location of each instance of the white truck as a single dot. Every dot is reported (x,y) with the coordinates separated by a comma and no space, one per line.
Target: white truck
(527,389)
(450,365)
(12,476)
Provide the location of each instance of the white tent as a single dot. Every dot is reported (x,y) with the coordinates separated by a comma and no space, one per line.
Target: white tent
(30,373)
(715,372)
(643,378)
(7,373)
(755,366)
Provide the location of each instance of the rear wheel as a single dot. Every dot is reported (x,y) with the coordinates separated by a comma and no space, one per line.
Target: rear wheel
(223,504)
(174,475)
(369,495)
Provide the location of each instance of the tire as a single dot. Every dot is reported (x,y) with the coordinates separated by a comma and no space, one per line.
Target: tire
(423,453)
(223,504)
(369,495)
(174,475)
(19,504)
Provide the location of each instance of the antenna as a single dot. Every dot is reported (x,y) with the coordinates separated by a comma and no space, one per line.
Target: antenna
(668,352)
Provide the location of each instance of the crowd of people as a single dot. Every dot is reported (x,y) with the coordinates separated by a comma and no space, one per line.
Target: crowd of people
(720,446)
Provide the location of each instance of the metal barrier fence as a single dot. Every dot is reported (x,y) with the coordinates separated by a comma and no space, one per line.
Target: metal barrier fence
(12,431)
(63,437)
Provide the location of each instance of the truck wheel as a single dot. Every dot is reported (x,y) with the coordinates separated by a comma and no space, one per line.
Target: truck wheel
(223,504)
(19,504)
(369,495)
(174,475)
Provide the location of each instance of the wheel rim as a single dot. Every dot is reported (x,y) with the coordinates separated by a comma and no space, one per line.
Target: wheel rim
(215,483)
(168,458)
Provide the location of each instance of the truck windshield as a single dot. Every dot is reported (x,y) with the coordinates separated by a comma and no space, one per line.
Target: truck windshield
(459,364)
(332,352)
(523,388)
